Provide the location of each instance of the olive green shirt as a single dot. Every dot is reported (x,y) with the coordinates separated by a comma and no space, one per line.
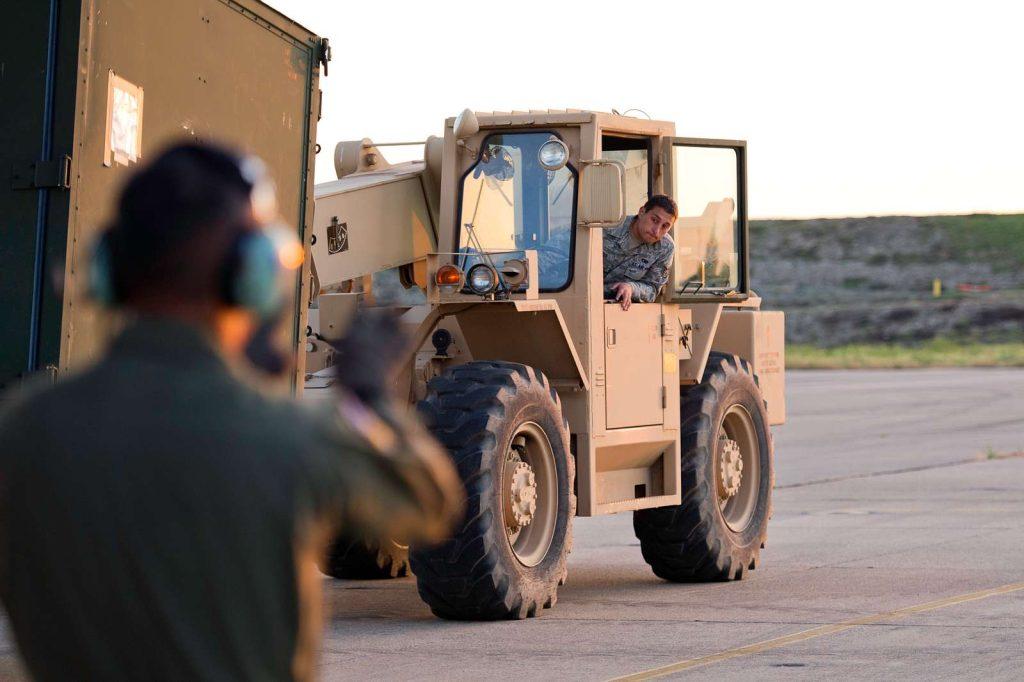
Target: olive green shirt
(149,508)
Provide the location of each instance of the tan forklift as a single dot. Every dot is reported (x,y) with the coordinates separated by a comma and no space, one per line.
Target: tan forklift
(553,401)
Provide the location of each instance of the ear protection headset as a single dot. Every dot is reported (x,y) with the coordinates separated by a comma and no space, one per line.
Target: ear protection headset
(252,271)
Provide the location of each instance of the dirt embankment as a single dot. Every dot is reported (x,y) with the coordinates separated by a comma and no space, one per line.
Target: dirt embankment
(864,280)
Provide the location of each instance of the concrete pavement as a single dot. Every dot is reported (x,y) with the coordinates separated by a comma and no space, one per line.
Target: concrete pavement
(848,540)
(895,489)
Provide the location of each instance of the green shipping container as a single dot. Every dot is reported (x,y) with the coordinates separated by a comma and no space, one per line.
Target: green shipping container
(91,88)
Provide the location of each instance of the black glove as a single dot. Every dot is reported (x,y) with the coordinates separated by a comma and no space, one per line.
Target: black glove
(262,350)
(369,354)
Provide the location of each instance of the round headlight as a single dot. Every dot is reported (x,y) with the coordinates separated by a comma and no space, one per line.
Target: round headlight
(482,279)
(553,155)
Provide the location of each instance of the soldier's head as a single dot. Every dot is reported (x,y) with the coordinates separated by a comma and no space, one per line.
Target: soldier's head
(655,218)
(195,233)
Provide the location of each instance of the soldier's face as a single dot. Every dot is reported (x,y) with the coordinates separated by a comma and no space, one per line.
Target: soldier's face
(653,224)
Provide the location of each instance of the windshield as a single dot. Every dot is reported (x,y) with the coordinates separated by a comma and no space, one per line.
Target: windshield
(511,203)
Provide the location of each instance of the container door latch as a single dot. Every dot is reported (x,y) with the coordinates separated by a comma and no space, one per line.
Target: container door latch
(42,174)
(325,53)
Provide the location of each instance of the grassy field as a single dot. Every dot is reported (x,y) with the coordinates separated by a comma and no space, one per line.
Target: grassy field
(937,353)
(998,239)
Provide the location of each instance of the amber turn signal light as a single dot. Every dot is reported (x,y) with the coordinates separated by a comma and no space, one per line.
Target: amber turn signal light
(449,276)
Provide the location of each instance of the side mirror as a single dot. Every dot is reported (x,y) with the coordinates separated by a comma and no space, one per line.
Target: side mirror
(602,193)
(466,125)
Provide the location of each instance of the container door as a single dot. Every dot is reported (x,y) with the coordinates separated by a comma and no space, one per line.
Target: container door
(237,73)
(38,59)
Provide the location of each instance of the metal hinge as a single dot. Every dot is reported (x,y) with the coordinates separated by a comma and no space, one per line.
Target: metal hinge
(684,338)
(325,53)
(661,325)
(664,398)
(42,174)
(47,374)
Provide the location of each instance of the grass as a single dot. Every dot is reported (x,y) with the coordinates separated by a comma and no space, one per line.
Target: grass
(998,239)
(936,353)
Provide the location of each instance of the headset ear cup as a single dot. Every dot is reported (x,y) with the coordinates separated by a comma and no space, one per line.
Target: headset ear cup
(251,275)
(101,274)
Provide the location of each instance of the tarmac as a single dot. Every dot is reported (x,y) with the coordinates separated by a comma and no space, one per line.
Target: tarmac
(896,550)
(895,489)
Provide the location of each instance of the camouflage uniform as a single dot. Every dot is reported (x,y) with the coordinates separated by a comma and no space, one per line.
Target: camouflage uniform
(627,259)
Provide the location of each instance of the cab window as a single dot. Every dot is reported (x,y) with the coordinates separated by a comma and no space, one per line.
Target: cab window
(634,154)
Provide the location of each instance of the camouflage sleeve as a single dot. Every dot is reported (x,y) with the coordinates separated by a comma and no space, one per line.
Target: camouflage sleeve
(379,471)
(646,289)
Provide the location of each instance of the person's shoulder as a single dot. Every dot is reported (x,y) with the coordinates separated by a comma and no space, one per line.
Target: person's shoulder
(276,416)
(623,227)
(666,245)
(16,407)
(297,426)
(40,395)
(28,411)
(614,233)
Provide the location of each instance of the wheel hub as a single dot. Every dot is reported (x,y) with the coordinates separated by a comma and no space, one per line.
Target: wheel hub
(521,486)
(730,469)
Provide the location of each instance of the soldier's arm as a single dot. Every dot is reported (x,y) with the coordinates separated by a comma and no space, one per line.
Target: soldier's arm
(394,479)
(375,474)
(646,289)
(384,475)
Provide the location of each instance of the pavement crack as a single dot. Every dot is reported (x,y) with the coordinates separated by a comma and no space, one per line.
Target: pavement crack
(905,470)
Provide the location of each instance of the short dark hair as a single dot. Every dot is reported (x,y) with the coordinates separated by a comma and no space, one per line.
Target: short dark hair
(175,219)
(662,201)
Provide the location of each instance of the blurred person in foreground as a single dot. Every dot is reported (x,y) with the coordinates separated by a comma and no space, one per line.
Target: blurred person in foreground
(160,519)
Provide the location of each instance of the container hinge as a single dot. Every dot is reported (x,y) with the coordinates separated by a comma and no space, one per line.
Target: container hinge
(47,374)
(661,325)
(42,174)
(664,398)
(325,53)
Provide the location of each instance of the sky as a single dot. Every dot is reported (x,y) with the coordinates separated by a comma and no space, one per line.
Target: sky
(848,108)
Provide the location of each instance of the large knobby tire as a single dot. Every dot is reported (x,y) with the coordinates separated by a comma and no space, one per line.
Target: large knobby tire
(502,423)
(358,559)
(719,529)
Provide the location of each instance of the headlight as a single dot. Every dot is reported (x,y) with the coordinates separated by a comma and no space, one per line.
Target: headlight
(482,278)
(553,155)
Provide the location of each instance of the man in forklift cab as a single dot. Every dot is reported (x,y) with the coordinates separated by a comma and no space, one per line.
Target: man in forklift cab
(638,253)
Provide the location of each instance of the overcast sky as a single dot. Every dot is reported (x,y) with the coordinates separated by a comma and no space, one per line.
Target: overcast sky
(866,108)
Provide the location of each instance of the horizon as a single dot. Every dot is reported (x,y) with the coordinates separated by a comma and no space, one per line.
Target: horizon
(868,216)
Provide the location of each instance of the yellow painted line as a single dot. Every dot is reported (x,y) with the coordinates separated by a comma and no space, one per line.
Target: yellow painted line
(820,631)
